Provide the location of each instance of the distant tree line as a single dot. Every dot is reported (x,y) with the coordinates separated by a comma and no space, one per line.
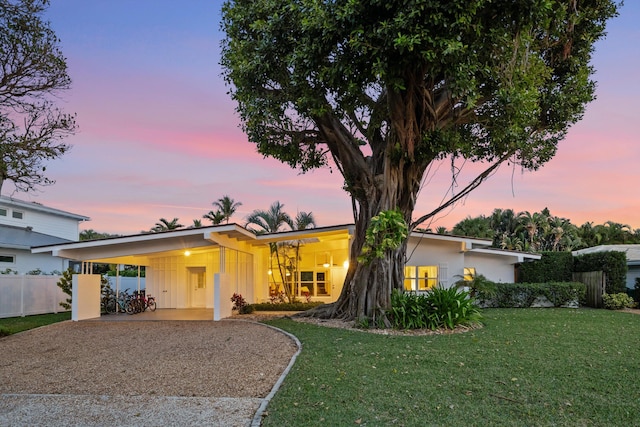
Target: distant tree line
(541,231)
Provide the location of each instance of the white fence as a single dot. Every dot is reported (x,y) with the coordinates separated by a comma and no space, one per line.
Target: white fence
(22,295)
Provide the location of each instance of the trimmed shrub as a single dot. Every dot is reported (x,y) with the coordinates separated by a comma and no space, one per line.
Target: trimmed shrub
(613,263)
(286,306)
(617,301)
(551,267)
(514,295)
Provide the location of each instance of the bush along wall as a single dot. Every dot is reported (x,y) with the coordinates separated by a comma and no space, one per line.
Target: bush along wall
(552,294)
(613,263)
(551,267)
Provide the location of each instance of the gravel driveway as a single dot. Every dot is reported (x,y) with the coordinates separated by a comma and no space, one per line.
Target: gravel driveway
(140,373)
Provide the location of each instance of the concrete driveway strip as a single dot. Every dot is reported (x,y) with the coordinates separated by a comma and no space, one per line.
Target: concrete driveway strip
(150,373)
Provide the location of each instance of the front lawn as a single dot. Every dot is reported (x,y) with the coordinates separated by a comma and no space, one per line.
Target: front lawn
(526,367)
(12,325)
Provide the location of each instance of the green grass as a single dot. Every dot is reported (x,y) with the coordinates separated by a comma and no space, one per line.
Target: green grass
(526,367)
(12,325)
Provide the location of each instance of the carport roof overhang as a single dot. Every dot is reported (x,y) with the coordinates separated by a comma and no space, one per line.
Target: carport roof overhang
(141,248)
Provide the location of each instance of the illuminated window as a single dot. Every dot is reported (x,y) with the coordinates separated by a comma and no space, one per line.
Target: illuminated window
(409,277)
(421,278)
(469,273)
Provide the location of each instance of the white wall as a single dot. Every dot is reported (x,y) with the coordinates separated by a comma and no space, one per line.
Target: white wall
(85,302)
(25,261)
(495,268)
(42,222)
(444,254)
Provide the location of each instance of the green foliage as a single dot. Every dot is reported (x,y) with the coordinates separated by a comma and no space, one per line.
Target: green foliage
(387,231)
(286,306)
(478,285)
(8,271)
(613,263)
(617,301)
(512,295)
(4,331)
(452,307)
(551,267)
(438,308)
(66,284)
(127,273)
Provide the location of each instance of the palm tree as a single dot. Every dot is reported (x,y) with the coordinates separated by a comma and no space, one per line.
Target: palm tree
(227,206)
(474,227)
(196,224)
(303,221)
(271,221)
(215,217)
(164,225)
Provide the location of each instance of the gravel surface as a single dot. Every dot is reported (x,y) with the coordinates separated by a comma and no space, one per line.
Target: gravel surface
(147,373)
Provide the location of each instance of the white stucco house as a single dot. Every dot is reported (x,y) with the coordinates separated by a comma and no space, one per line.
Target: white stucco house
(633,259)
(24,225)
(203,267)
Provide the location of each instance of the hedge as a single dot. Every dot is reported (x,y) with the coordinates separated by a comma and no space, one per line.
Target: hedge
(296,306)
(509,295)
(551,267)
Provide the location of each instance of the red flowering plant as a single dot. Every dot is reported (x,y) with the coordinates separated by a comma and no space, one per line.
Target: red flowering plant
(240,304)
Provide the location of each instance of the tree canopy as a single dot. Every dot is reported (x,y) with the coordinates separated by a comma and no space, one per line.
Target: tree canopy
(33,71)
(382,89)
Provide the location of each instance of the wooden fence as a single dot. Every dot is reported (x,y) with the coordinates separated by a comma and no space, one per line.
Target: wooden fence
(596,282)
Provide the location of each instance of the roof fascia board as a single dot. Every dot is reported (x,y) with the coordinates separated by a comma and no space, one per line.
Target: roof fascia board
(520,255)
(227,242)
(42,208)
(303,234)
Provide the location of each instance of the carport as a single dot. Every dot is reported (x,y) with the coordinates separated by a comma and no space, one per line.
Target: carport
(197,268)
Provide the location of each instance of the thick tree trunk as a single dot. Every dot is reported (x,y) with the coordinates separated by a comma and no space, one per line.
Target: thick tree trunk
(366,293)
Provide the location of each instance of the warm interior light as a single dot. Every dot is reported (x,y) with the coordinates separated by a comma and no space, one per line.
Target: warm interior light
(346,264)
(269,272)
(187,253)
(288,274)
(326,265)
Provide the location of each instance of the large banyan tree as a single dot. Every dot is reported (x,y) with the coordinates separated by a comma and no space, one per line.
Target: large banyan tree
(381,89)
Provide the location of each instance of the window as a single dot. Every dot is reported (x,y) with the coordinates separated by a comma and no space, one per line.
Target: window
(469,274)
(200,280)
(318,287)
(3,212)
(18,214)
(420,278)
(7,259)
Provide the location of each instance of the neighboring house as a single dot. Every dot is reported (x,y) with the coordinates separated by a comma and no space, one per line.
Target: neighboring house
(184,266)
(24,225)
(633,259)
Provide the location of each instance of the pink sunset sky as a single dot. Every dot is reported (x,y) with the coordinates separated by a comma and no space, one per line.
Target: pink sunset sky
(158,136)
